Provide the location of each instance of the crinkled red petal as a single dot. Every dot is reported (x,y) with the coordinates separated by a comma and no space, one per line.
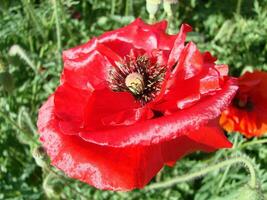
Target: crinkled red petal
(179,44)
(70,108)
(89,71)
(107,108)
(123,168)
(168,127)
(78,109)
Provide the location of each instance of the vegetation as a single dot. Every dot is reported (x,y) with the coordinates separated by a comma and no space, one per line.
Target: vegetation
(32,36)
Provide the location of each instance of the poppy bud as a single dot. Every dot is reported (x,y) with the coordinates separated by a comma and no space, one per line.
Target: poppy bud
(52,186)
(167,6)
(40,156)
(245,193)
(170,1)
(152,7)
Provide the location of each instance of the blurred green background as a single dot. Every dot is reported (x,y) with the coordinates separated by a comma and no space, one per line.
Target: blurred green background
(34,32)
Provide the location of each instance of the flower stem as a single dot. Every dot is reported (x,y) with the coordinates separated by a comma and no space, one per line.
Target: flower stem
(262,141)
(238,7)
(49,169)
(128,7)
(58,31)
(30,11)
(16,50)
(238,160)
(113,7)
(228,167)
(17,127)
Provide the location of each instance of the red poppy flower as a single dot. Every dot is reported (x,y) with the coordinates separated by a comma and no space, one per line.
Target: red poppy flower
(248,111)
(130,101)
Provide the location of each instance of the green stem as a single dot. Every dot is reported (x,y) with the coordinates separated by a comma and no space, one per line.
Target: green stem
(228,167)
(29,10)
(63,177)
(238,7)
(128,7)
(113,7)
(262,141)
(17,50)
(58,30)
(241,160)
(16,126)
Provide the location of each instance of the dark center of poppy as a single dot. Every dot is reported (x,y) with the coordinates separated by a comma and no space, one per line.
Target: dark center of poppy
(243,104)
(141,76)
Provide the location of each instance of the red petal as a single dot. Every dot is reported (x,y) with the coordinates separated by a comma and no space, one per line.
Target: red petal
(191,79)
(141,36)
(190,63)
(86,72)
(208,58)
(114,168)
(70,106)
(222,69)
(252,87)
(107,107)
(88,65)
(210,82)
(180,96)
(104,167)
(207,138)
(178,44)
(184,87)
(78,109)
(126,38)
(128,117)
(167,127)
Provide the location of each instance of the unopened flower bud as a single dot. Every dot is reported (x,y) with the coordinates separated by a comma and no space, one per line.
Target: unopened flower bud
(167,6)
(40,156)
(244,193)
(152,7)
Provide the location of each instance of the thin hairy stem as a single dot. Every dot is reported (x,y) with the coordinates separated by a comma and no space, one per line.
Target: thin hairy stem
(58,31)
(238,160)
(228,167)
(30,11)
(16,50)
(128,7)
(262,141)
(17,127)
(238,7)
(113,7)
(69,185)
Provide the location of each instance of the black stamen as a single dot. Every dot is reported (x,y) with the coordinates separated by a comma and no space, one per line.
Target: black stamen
(248,105)
(152,75)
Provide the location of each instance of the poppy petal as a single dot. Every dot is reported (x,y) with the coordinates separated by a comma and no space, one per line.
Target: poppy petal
(208,138)
(168,127)
(247,113)
(107,108)
(114,168)
(70,104)
(178,44)
(86,72)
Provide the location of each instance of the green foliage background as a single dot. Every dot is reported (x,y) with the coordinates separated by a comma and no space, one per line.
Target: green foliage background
(30,72)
